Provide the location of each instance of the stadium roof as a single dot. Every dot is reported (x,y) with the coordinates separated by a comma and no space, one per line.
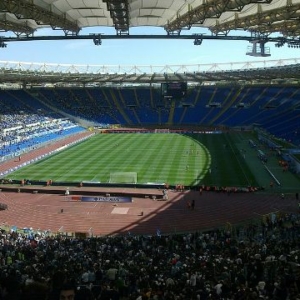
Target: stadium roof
(24,17)
(266,20)
(37,74)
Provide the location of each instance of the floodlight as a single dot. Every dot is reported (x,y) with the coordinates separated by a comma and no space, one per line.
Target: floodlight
(97,40)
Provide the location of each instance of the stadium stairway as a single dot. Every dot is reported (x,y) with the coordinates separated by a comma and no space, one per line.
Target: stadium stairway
(227,104)
(171,113)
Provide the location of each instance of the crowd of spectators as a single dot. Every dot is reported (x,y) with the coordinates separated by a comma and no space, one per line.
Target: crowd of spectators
(255,261)
(23,129)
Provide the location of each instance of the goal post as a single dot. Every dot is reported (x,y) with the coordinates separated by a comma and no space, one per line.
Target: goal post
(162,130)
(123,177)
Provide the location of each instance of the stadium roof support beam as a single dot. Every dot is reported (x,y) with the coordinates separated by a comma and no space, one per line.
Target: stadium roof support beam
(18,29)
(64,75)
(26,10)
(119,13)
(290,28)
(282,19)
(209,9)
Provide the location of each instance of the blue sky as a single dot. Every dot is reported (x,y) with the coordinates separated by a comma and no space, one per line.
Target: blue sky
(136,52)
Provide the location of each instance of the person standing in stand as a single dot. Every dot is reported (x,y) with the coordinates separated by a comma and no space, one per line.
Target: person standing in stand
(193,204)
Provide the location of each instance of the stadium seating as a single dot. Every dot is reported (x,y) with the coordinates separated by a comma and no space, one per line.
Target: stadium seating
(273,108)
(27,123)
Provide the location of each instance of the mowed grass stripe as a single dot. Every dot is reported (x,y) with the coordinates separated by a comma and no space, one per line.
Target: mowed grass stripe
(79,162)
(147,168)
(155,158)
(178,161)
(162,159)
(150,157)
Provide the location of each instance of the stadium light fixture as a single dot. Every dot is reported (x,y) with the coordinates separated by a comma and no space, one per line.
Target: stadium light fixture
(258,49)
(2,44)
(295,43)
(97,40)
(280,43)
(198,40)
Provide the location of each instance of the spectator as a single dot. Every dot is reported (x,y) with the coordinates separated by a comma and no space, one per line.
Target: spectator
(67,292)
(210,265)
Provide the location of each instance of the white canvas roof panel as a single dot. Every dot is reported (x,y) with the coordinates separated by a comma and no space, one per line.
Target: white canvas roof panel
(172,15)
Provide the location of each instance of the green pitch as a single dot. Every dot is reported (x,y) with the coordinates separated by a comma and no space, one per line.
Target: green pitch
(155,158)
